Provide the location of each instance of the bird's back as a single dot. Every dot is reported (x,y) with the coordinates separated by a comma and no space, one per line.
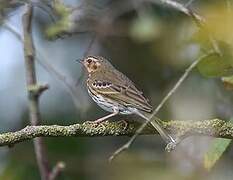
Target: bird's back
(114,85)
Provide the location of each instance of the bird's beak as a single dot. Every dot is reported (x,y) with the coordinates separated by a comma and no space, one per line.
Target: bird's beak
(79,61)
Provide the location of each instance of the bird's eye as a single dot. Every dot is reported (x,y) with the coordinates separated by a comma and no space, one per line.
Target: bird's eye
(89,61)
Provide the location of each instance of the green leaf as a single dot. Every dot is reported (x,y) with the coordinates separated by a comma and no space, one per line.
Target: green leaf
(215,152)
(63,24)
(218,65)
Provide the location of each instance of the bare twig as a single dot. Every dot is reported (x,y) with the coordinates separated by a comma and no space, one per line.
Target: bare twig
(199,20)
(211,127)
(189,3)
(200,23)
(180,7)
(12,30)
(68,82)
(164,100)
(60,166)
(33,96)
(229,5)
(90,45)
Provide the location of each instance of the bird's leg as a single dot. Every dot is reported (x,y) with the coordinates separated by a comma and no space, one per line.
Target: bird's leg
(115,112)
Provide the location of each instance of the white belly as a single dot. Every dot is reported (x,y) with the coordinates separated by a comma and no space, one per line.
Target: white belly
(108,106)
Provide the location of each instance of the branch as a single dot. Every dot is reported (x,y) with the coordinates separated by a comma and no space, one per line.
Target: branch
(180,7)
(213,127)
(56,171)
(34,90)
(199,20)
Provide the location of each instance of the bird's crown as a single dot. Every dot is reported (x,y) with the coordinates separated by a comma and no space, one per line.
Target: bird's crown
(95,63)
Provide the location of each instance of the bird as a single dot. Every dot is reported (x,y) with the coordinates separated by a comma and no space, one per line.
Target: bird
(116,93)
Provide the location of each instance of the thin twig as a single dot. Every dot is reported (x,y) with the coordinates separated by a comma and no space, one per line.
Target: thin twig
(229,6)
(199,20)
(200,23)
(56,171)
(68,82)
(33,97)
(189,3)
(12,30)
(164,100)
(179,7)
(90,45)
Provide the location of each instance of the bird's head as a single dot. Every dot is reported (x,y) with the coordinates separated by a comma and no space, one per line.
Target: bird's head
(94,63)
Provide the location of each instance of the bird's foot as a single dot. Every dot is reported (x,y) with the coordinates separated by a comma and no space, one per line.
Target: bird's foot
(99,121)
(95,124)
(125,124)
(170,146)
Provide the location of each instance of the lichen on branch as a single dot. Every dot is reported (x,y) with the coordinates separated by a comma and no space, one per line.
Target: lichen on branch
(212,127)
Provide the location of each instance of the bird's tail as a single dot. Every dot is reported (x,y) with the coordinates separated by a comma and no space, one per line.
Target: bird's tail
(167,137)
(155,123)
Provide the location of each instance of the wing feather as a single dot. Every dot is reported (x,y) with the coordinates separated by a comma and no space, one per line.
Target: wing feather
(127,95)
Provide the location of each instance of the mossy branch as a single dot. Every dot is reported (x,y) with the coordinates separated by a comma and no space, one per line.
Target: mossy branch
(212,127)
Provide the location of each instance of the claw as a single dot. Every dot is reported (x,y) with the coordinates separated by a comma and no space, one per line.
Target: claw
(125,125)
(170,146)
(96,124)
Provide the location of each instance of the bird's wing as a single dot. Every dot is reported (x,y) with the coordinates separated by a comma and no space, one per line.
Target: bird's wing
(126,94)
